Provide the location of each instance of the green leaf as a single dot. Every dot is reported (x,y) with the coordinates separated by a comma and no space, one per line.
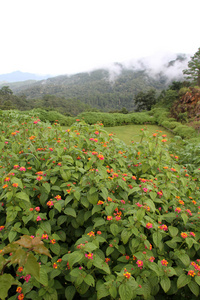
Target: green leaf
(70,292)
(184,258)
(157,238)
(65,175)
(113,292)
(96,208)
(92,190)
(153,195)
(197,279)
(46,227)
(114,228)
(77,195)
(6,281)
(43,279)
(90,247)
(100,264)
(70,212)
(47,187)
(75,257)
(1,145)
(194,288)
(61,219)
(140,214)
(154,267)
(89,279)
(184,217)
(109,250)
(183,280)
(125,291)
(93,198)
(99,222)
(125,235)
(58,206)
(165,283)
(189,242)
(173,231)
(55,248)
(104,193)
(150,203)
(22,196)
(11,236)
(102,291)
(32,266)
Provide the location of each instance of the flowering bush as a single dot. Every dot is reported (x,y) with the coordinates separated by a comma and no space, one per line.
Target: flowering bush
(88,219)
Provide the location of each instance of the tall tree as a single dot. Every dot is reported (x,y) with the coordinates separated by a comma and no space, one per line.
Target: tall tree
(144,101)
(193,70)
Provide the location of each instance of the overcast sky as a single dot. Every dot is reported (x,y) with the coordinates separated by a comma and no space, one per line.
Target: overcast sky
(69,36)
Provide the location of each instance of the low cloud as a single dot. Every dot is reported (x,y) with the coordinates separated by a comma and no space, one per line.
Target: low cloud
(170,65)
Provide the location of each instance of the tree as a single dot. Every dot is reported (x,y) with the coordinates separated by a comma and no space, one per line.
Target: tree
(144,101)
(193,70)
(5,90)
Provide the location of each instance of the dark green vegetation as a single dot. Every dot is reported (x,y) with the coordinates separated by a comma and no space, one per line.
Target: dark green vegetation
(193,70)
(84,216)
(98,90)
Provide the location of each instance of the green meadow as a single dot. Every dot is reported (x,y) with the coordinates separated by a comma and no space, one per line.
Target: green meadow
(132,133)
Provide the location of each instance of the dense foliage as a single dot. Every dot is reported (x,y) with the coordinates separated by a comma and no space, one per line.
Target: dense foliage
(193,70)
(99,89)
(84,216)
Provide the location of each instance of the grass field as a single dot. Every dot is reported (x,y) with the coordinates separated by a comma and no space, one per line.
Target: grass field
(131,133)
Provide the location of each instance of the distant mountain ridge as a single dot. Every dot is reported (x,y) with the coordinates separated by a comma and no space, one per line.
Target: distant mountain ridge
(21,76)
(110,88)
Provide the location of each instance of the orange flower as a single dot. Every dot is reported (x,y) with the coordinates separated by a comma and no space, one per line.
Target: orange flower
(15,185)
(19,289)
(89,255)
(100,202)
(20,269)
(164,262)
(184,235)
(20,297)
(91,233)
(127,275)
(149,225)
(191,273)
(53,241)
(181,202)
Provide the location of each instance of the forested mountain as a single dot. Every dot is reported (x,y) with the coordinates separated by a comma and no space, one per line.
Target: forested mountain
(105,89)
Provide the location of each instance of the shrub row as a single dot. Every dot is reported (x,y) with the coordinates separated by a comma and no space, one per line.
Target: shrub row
(161,116)
(50,116)
(116,119)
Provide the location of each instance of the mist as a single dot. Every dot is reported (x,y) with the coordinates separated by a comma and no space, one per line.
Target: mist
(171,65)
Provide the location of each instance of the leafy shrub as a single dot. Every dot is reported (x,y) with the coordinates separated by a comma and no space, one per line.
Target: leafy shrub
(185,131)
(116,119)
(142,118)
(183,91)
(160,115)
(84,216)
(173,125)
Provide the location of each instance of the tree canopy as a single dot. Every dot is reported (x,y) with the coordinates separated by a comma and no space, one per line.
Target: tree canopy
(193,71)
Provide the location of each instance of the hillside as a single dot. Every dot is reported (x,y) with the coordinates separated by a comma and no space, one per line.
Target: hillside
(105,89)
